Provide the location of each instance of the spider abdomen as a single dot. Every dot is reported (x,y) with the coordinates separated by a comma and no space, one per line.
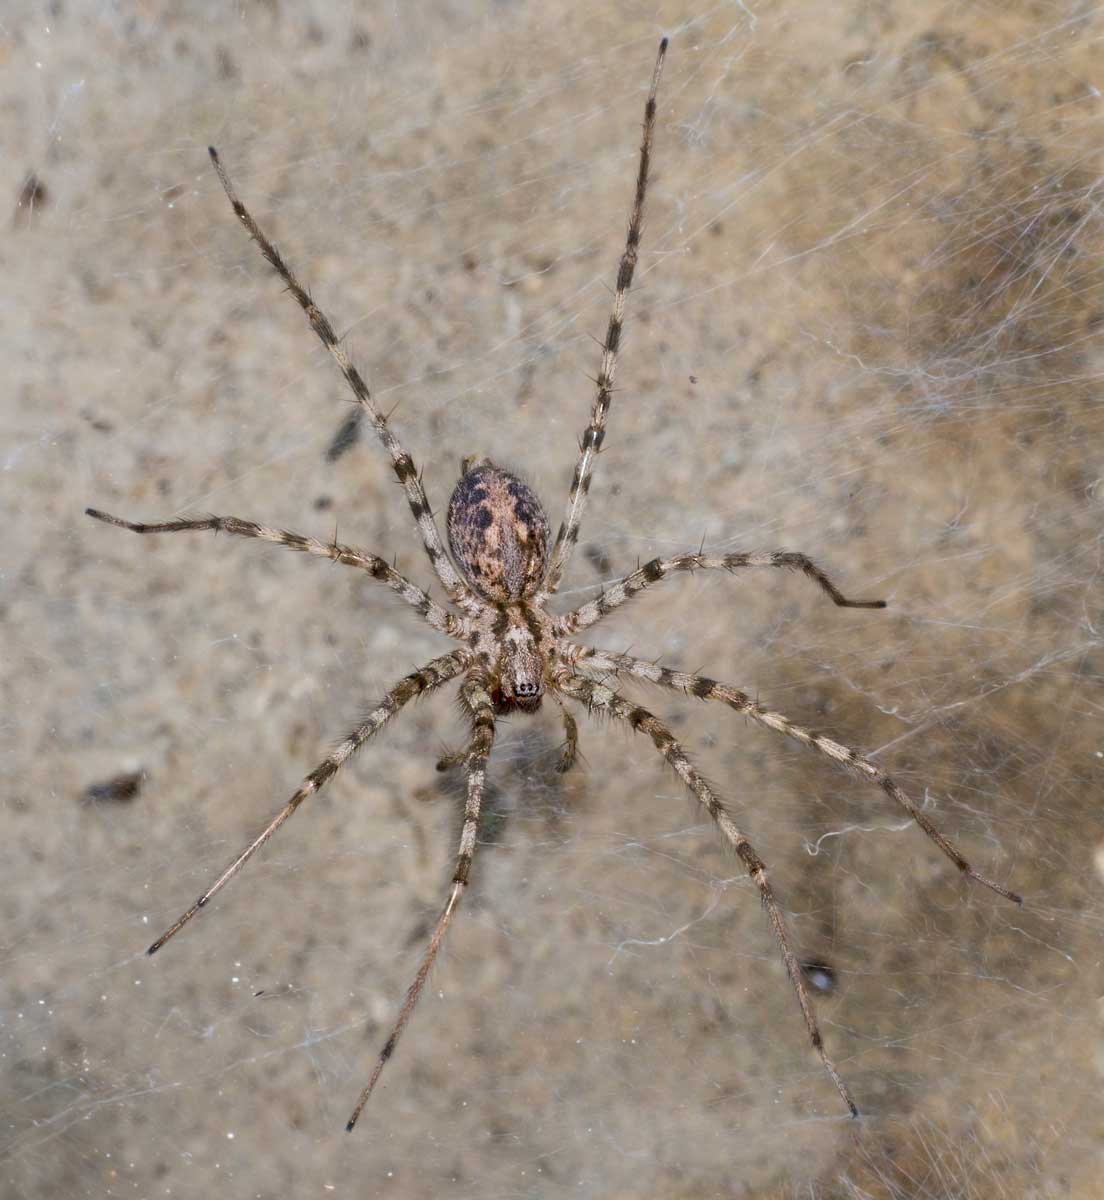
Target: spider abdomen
(498,533)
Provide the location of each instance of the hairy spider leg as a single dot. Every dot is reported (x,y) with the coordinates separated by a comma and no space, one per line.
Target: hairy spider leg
(592,437)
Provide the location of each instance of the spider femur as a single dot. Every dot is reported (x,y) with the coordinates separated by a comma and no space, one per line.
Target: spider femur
(498,533)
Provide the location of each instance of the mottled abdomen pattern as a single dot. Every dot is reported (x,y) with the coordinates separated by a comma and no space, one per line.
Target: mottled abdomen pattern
(498,533)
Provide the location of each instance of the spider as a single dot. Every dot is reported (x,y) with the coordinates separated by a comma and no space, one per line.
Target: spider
(513,652)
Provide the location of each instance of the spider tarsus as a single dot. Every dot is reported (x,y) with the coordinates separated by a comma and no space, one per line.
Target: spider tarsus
(157,945)
(213,153)
(1007,893)
(568,759)
(837,1079)
(97,515)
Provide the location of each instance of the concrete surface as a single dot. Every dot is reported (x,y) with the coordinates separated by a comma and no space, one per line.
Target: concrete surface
(867,326)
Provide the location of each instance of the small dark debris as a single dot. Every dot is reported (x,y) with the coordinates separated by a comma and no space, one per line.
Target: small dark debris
(120,790)
(598,558)
(693,379)
(820,976)
(449,761)
(98,423)
(226,66)
(347,435)
(33,196)
(323,504)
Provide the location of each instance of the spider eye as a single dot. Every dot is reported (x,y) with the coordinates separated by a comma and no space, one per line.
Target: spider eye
(527,689)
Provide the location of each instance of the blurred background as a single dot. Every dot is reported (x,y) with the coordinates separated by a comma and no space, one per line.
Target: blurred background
(866,326)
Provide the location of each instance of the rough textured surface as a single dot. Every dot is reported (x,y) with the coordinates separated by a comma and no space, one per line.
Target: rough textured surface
(865,325)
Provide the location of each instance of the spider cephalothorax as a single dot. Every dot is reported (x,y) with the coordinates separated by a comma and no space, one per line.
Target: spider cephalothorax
(512,651)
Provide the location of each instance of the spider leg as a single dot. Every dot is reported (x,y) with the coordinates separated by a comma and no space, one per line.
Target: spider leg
(402,463)
(477,698)
(595,431)
(427,678)
(377,567)
(652,572)
(571,738)
(600,698)
(570,752)
(710,689)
